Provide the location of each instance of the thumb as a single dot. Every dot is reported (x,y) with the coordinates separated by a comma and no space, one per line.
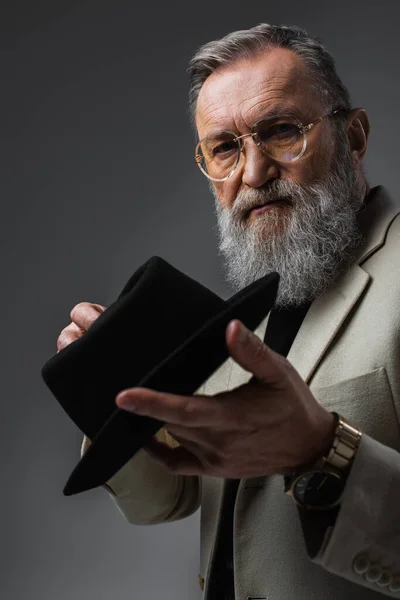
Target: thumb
(252,354)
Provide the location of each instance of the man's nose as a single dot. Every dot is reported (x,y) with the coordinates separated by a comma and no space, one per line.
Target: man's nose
(257,167)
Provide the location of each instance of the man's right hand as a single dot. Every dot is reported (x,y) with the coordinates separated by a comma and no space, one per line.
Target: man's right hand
(83,315)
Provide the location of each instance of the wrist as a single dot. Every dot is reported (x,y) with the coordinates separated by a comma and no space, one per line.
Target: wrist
(321,446)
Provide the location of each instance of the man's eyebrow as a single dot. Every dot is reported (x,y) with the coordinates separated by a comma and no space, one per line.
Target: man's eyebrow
(279,111)
(214,132)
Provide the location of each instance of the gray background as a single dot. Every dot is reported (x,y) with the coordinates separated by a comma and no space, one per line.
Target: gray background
(97,176)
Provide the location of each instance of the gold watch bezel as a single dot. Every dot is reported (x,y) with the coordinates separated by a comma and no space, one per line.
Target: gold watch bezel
(337,474)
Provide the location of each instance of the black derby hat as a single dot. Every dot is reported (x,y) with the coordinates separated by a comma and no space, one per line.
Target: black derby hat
(166,332)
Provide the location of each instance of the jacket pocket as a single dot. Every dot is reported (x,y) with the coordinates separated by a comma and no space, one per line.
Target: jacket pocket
(367,402)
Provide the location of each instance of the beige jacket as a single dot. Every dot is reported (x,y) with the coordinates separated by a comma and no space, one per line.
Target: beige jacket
(348,351)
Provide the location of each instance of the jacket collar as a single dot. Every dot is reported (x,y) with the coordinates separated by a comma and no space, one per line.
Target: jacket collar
(375,219)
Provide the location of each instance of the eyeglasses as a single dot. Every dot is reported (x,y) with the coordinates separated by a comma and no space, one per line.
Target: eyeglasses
(282,138)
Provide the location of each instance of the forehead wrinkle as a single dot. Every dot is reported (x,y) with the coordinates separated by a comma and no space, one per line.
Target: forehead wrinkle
(283,80)
(276,104)
(239,112)
(274,84)
(215,116)
(279,87)
(211,111)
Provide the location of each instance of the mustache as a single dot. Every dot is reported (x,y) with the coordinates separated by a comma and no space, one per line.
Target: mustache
(278,191)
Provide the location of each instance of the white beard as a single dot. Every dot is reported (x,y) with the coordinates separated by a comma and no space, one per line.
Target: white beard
(308,243)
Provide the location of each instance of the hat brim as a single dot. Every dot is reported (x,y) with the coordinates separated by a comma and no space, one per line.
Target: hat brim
(182,372)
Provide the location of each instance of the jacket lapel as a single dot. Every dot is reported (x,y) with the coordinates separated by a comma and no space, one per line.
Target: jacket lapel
(327,314)
(318,330)
(324,319)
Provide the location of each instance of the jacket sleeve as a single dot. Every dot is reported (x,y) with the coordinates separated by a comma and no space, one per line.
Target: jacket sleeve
(361,541)
(146,493)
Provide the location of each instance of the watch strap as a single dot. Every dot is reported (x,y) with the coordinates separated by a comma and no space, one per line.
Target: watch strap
(344,447)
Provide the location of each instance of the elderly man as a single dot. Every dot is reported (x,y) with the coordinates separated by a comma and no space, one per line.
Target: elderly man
(294,460)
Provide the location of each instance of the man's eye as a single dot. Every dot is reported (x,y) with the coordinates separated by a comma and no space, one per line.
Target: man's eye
(279,131)
(223,148)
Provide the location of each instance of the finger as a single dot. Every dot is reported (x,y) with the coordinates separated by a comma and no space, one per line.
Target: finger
(177,460)
(85,314)
(252,354)
(68,335)
(189,411)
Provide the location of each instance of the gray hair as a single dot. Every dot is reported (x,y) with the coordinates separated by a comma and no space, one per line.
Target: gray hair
(250,42)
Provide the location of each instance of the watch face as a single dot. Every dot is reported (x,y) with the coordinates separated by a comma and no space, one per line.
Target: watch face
(318,489)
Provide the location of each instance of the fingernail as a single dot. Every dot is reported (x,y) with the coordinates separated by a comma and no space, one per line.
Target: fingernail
(124,402)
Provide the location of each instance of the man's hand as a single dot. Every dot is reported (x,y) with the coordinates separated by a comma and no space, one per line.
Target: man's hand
(82,316)
(271,425)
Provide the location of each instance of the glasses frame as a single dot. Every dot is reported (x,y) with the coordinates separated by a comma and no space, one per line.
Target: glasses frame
(303,129)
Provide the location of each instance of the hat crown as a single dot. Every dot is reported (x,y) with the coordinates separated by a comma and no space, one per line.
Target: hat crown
(156,311)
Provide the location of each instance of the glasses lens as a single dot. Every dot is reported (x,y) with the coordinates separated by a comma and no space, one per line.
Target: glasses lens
(218,156)
(281,139)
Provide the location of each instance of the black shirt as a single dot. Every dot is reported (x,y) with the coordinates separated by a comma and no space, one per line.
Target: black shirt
(282,328)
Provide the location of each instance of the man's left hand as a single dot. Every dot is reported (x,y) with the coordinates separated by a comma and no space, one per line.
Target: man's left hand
(271,425)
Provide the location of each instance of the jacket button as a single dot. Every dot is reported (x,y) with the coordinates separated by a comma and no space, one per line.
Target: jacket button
(373,574)
(385,578)
(361,564)
(201,581)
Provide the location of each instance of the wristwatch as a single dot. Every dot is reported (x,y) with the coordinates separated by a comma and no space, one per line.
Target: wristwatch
(320,486)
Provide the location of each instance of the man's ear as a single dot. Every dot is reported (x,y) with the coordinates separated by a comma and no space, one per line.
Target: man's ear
(357,128)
